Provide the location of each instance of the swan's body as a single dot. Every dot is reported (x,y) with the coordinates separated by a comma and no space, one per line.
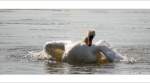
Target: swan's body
(81,53)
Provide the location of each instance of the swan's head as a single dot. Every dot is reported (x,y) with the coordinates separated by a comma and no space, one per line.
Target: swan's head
(88,40)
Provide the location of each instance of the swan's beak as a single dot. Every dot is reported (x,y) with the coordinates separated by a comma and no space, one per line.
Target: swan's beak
(91,36)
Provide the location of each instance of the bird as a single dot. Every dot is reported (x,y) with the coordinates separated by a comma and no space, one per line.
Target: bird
(81,52)
(87,52)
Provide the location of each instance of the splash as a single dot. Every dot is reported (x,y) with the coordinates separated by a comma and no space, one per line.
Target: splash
(42,55)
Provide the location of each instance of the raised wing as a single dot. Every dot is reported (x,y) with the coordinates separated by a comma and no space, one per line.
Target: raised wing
(111,54)
(55,49)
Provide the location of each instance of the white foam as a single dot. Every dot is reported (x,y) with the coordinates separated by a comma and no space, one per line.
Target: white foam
(39,55)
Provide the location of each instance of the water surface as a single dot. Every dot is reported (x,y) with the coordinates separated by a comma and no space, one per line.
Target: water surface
(22,31)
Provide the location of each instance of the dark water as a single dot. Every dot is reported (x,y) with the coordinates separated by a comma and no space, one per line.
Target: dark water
(22,31)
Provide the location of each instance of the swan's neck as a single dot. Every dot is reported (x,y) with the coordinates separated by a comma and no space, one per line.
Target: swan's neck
(88,40)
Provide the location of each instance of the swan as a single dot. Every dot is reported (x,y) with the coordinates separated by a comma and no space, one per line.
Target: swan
(86,52)
(81,52)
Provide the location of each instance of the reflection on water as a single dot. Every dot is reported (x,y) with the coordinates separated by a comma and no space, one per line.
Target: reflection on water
(64,68)
(23,31)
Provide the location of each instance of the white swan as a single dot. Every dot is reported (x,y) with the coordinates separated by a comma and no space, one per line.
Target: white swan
(80,52)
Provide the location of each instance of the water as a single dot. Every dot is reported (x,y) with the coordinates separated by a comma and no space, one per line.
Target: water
(22,31)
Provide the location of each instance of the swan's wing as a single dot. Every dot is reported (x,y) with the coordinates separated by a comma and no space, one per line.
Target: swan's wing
(103,43)
(111,54)
(52,46)
(56,44)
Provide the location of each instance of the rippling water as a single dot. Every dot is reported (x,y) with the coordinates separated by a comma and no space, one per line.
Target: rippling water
(22,31)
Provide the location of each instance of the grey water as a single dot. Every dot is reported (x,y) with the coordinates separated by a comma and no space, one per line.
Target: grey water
(23,31)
